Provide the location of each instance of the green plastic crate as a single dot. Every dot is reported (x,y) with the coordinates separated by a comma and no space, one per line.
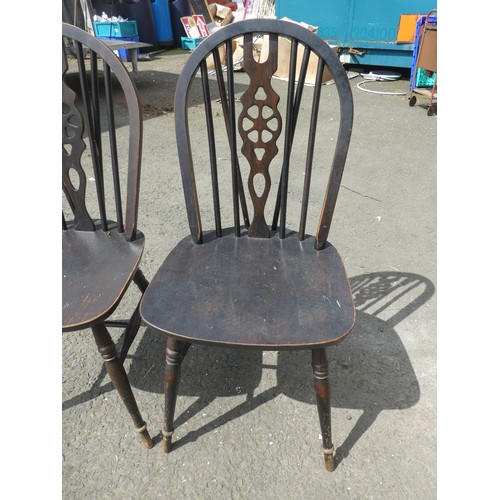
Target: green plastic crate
(190,43)
(422,80)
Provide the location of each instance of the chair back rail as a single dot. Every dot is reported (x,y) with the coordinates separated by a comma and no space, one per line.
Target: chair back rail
(88,116)
(255,127)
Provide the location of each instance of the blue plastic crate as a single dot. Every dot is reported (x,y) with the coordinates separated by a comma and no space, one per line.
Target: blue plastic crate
(190,43)
(122,53)
(116,30)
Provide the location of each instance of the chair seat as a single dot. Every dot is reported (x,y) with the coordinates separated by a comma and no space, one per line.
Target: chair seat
(97,267)
(251,292)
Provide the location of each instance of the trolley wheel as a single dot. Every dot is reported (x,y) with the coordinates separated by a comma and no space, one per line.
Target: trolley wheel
(430,111)
(413,101)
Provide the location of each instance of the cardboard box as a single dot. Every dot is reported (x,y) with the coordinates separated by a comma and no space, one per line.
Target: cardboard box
(222,56)
(220,14)
(284,47)
(261,53)
(237,45)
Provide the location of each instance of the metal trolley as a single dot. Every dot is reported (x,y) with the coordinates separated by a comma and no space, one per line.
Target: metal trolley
(426,59)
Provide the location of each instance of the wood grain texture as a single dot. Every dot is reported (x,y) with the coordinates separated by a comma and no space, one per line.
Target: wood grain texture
(249,292)
(97,268)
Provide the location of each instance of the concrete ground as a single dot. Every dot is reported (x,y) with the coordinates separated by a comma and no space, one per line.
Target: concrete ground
(246,424)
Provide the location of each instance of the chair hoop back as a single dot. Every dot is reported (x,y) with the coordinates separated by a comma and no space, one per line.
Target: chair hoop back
(84,115)
(260,122)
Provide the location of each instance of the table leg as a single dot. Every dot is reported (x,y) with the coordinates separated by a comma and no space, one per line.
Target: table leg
(132,56)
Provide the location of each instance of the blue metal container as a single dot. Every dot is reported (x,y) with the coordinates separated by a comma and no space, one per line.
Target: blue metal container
(369,29)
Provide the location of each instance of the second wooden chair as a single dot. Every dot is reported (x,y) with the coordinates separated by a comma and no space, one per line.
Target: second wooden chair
(256,279)
(100,252)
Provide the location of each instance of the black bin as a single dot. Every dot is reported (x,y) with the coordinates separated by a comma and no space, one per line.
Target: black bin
(178,9)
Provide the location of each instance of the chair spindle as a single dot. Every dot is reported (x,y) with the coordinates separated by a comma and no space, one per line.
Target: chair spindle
(232,135)
(211,145)
(225,113)
(310,150)
(113,147)
(288,137)
(91,133)
(296,109)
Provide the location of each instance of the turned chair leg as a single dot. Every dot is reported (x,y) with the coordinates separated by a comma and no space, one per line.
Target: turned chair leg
(320,371)
(119,378)
(174,356)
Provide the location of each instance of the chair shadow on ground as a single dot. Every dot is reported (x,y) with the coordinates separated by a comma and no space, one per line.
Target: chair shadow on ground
(369,371)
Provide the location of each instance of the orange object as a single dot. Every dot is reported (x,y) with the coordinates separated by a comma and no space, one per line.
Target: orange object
(407,27)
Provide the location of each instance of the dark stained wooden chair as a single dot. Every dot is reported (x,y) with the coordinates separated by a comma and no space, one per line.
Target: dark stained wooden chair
(101,245)
(256,279)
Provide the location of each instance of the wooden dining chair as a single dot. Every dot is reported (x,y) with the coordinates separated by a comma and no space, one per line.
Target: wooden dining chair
(256,278)
(101,245)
